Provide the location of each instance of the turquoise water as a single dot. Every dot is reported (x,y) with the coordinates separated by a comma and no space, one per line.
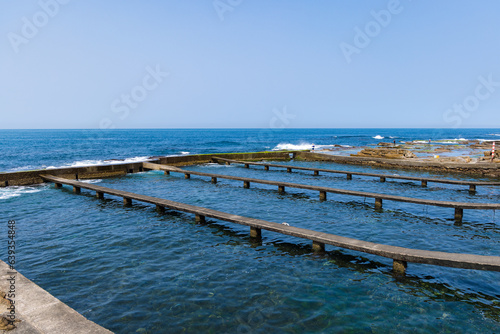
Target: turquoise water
(133,270)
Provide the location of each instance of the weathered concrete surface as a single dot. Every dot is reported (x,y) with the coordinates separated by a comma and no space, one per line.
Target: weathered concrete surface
(485,169)
(206,158)
(39,311)
(388,153)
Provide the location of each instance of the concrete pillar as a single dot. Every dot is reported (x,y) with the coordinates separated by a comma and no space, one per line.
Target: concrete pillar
(160,209)
(424,183)
(246,184)
(349,176)
(399,267)
(166,172)
(322,195)
(266,167)
(378,203)
(472,188)
(58,185)
(200,219)
(77,190)
(214,180)
(316,173)
(228,163)
(281,189)
(255,232)
(99,195)
(288,170)
(459,214)
(247,166)
(318,247)
(382,179)
(127,201)
(187,176)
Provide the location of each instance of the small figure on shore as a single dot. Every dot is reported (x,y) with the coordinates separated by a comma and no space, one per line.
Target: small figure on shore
(394,142)
(429,141)
(313,148)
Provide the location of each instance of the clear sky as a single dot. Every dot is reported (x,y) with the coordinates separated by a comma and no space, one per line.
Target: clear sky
(244,64)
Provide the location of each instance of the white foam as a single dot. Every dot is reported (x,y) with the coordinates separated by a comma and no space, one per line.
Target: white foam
(184,152)
(378,137)
(85,163)
(15,191)
(91,181)
(288,146)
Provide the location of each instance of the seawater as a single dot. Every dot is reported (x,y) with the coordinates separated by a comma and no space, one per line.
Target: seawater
(133,270)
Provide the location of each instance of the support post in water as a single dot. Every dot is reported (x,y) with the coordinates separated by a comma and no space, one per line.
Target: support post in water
(266,167)
(424,183)
(318,247)
(378,203)
(200,219)
(382,179)
(322,195)
(214,180)
(99,194)
(77,190)
(288,170)
(316,173)
(247,166)
(167,172)
(255,232)
(459,214)
(187,176)
(127,201)
(472,188)
(246,184)
(160,209)
(349,176)
(281,189)
(58,185)
(228,163)
(399,267)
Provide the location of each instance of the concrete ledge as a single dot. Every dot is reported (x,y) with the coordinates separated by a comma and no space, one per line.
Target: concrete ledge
(40,312)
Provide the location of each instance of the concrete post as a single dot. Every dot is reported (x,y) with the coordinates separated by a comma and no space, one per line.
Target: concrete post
(127,201)
(288,170)
(424,183)
(459,214)
(58,185)
(281,189)
(77,190)
(160,209)
(266,167)
(255,232)
(472,188)
(399,267)
(99,195)
(246,184)
(200,219)
(378,203)
(318,247)
(167,172)
(214,180)
(382,179)
(247,166)
(187,176)
(316,173)
(349,176)
(322,195)
(228,163)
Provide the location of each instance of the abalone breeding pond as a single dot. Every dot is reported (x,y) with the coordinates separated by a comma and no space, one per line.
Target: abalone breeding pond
(131,269)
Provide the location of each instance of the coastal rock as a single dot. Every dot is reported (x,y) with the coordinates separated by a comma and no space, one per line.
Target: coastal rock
(387,153)
(385,144)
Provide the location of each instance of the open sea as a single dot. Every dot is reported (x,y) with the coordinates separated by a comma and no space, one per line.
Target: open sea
(133,270)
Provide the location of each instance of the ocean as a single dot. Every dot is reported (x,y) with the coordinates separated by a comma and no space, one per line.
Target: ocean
(133,270)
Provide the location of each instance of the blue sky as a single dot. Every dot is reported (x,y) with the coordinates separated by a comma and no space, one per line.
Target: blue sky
(247,64)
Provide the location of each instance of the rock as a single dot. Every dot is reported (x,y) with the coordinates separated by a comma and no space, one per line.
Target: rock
(388,153)
(385,144)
